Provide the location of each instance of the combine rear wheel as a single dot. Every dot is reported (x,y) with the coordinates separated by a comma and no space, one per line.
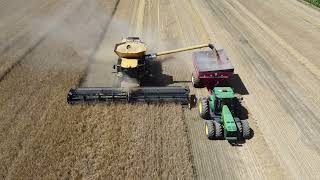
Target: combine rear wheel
(195,81)
(210,129)
(203,108)
(245,129)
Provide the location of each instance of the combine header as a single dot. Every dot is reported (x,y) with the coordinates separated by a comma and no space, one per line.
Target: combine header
(132,95)
(134,63)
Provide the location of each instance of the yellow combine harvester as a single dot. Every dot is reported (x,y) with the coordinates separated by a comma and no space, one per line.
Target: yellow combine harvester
(133,63)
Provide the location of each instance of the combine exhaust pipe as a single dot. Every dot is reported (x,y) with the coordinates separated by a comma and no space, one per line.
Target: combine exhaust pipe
(133,95)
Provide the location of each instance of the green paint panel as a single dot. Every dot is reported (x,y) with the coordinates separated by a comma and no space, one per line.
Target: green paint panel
(223,92)
(211,99)
(228,120)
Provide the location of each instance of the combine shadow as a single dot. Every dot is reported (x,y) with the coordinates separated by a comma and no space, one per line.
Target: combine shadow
(157,78)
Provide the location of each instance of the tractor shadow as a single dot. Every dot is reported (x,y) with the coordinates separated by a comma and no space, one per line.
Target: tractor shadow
(242,141)
(242,114)
(157,78)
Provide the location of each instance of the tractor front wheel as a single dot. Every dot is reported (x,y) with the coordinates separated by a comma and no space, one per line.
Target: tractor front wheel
(195,81)
(210,129)
(203,106)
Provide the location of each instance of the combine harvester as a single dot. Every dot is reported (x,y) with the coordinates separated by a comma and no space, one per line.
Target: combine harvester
(134,63)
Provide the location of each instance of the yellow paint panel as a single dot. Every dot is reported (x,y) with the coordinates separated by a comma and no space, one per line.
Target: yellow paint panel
(129,63)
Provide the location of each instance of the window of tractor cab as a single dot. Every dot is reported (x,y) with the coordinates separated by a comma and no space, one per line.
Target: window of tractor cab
(221,102)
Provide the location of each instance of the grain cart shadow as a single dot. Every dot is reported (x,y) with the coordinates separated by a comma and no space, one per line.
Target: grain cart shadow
(157,78)
(236,83)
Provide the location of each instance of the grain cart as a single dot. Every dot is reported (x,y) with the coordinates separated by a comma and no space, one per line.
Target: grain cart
(221,110)
(211,68)
(133,63)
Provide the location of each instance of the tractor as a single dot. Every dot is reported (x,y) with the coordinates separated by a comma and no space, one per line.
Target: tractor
(221,110)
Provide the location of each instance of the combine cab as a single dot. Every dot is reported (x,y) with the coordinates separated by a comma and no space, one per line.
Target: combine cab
(221,111)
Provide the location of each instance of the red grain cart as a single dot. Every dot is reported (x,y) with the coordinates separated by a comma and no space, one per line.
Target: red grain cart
(211,68)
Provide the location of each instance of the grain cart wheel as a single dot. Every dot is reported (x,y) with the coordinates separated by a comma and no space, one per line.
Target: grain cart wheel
(210,129)
(219,130)
(245,129)
(195,81)
(203,108)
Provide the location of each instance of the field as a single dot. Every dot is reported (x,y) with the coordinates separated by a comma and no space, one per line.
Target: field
(314,2)
(46,47)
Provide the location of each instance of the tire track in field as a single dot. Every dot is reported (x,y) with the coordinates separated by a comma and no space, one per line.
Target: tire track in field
(43,75)
(98,45)
(19,60)
(5,72)
(31,49)
(25,16)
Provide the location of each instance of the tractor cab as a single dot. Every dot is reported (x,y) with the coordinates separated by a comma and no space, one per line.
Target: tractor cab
(222,96)
(220,112)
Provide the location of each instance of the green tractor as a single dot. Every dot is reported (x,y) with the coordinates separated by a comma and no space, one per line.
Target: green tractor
(221,110)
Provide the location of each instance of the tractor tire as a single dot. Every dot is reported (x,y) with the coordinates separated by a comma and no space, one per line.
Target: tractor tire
(239,125)
(210,129)
(219,130)
(195,81)
(203,107)
(245,129)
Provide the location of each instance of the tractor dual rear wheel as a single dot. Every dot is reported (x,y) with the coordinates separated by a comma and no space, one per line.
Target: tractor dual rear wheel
(213,130)
(219,130)
(245,129)
(210,130)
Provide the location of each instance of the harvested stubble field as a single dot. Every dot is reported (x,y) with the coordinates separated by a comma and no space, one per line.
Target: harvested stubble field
(46,47)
